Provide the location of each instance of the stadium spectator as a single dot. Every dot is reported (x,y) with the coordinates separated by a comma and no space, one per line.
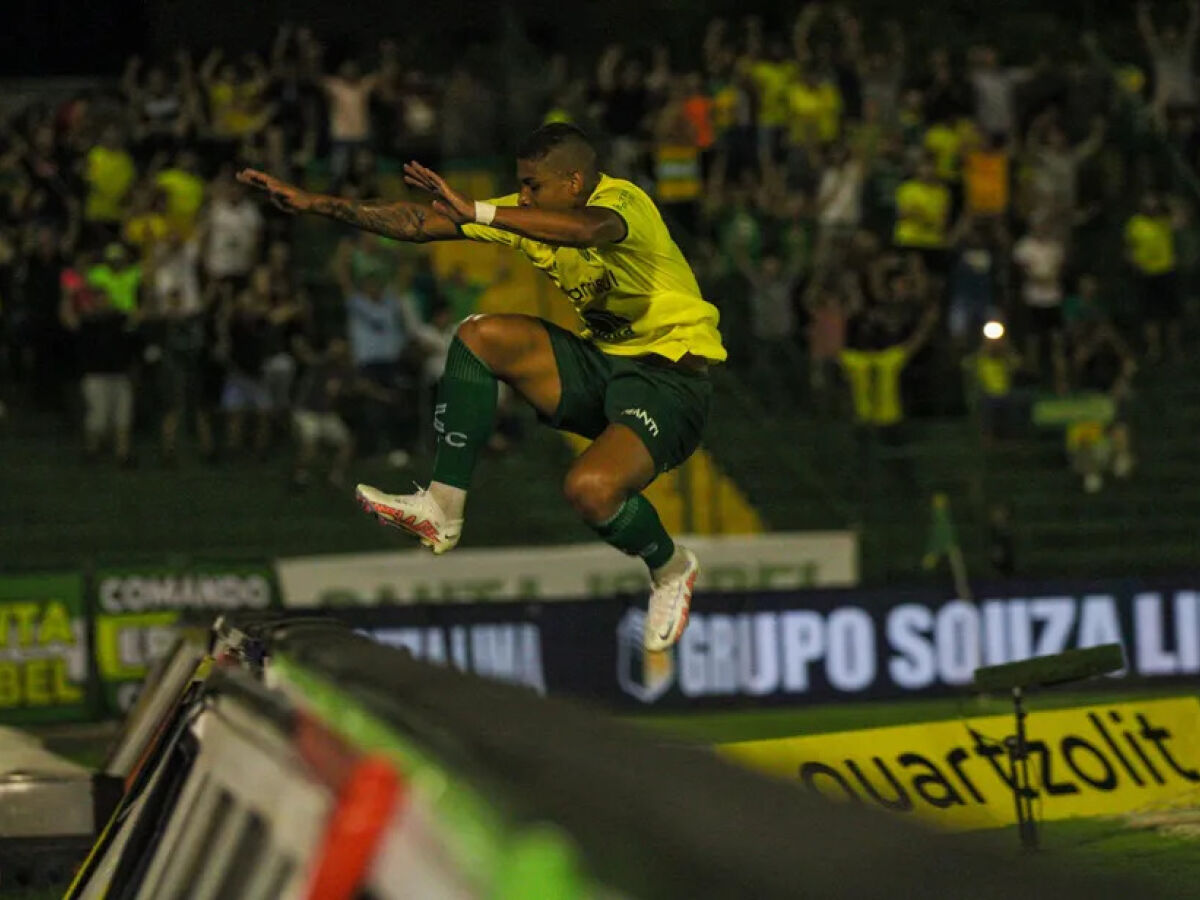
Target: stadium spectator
(349,96)
(923,207)
(247,326)
(231,232)
(995,92)
(39,344)
(1172,53)
(1150,251)
(974,288)
(839,201)
(880,349)
(620,105)
(991,374)
(1041,260)
(378,325)
(109,174)
(880,72)
(118,278)
(831,303)
(468,123)
(183,191)
(106,348)
(773,291)
(160,110)
(1102,364)
(174,325)
(1054,169)
(678,177)
(145,224)
(318,417)
(235,100)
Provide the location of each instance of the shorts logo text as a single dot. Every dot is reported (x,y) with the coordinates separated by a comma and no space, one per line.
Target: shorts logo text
(644,418)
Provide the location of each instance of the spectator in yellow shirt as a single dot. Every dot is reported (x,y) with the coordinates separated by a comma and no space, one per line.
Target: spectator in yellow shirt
(109,174)
(816,109)
(1150,251)
(772,77)
(923,217)
(183,192)
(146,226)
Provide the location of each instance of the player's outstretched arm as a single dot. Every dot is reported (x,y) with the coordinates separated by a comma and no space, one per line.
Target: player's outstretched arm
(400,220)
(590,226)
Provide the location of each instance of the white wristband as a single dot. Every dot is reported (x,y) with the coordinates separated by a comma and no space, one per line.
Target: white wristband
(484,212)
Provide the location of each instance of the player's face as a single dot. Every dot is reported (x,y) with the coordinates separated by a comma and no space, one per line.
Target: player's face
(545,187)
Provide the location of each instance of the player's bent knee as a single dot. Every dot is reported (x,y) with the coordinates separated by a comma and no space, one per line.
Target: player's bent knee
(492,338)
(593,493)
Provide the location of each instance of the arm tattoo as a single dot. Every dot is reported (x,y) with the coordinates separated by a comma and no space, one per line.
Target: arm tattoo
(403,221)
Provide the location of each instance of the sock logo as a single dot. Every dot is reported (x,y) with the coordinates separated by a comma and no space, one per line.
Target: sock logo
(644,417)
(452,438)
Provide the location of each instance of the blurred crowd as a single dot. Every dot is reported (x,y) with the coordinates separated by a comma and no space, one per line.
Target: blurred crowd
(887,233)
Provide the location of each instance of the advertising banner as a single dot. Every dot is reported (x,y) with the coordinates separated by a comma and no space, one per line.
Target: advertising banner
(136,607)
(43,649)
(1090,761)
(780,561)
(804,646)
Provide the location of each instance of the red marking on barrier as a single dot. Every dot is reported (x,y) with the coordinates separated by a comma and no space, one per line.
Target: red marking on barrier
(365,806)
(332,760)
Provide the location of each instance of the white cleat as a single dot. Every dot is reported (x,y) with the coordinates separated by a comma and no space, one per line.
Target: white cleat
(670,603)
(418,514)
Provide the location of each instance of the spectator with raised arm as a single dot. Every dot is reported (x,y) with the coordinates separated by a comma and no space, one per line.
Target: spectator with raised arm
(349,97)
(1150,252)
(1171,52)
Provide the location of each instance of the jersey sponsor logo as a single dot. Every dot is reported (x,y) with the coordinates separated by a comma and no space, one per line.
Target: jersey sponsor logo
(644,417)
(607,326)
(597,287)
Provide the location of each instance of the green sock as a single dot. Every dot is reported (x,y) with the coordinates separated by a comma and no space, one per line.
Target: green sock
(636,530)
(464,416)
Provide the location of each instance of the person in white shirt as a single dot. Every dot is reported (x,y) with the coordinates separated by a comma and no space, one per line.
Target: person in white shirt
(1041,258)
(349,94)
(230,233)
(1171,52)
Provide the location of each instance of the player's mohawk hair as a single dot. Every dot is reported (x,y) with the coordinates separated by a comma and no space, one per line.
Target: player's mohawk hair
(550,137)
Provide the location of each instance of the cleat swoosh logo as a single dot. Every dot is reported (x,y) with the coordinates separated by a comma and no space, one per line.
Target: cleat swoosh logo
(666,633)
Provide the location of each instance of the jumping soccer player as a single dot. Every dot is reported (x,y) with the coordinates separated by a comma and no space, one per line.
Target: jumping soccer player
(636,380)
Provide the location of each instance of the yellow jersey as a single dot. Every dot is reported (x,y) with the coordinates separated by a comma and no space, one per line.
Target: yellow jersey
(772,80)
(1151,244)
(922,214)
(874,377)
(816,112)
(109,174)
(635,296)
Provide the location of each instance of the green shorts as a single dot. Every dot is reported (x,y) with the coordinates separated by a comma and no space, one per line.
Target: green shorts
(667,407)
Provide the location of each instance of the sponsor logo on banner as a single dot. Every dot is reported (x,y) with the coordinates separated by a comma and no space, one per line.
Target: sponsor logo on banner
(781,561)
(867,646)
(643,675)
(509,652)
(137,609)
(43,649)
(1102,760)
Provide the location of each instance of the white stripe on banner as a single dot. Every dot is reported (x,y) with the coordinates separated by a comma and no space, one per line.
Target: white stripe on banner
(782,560)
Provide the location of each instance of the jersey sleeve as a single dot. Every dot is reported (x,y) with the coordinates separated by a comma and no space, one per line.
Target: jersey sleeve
(633,206)
(488,234)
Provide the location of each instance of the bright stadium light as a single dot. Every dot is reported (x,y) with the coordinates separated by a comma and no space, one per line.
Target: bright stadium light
(993,330)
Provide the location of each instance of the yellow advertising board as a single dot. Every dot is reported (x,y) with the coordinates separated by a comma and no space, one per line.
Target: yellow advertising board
(1089,761)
